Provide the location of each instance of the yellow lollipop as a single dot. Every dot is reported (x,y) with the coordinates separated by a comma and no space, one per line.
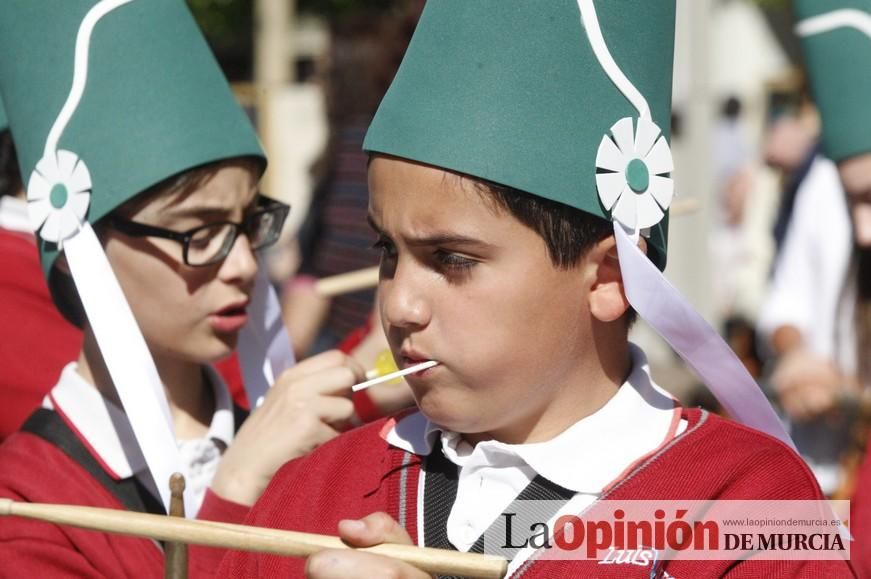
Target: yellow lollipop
(384,364)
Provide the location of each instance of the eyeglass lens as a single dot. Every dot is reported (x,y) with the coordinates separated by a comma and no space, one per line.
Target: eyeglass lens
(213,243)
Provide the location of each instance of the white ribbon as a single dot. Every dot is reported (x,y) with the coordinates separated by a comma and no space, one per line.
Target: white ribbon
(127,357)
(665,309)
(264,345)
(80,70)
(590,21)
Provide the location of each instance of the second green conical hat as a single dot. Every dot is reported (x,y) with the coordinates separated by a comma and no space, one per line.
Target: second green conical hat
(153,101)
(836,42)
(511,91)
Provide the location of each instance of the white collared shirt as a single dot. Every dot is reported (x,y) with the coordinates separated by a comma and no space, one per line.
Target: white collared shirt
(107,432)
(585,458)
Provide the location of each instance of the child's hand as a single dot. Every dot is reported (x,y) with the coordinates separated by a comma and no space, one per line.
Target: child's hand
(346,564)
(308,405)
(808,385)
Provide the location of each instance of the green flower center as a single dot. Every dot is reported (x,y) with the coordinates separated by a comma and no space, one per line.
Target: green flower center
(58,196)
(637,176)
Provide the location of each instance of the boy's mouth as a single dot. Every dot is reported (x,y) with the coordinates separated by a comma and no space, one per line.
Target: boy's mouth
(409,357)
(230,318)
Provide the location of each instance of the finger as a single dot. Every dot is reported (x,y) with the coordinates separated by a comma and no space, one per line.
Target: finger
(348,564)
(373,529)
(323,361)
(335,381)
(333,410)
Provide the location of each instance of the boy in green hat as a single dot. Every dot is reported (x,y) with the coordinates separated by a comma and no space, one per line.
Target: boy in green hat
(141,174)
(519,171)
(836,40)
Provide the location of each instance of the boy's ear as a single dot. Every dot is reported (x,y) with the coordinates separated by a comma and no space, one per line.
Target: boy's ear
(608,300)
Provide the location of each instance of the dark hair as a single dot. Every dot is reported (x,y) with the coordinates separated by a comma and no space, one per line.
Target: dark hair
(60,284)
(568,233)
(10,177)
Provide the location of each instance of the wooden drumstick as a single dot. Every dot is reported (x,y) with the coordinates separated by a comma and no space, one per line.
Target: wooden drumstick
(176,554)
(347,282)
(241,537)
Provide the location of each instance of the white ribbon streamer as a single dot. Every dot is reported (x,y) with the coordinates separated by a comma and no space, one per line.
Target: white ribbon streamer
(80,70)
(665,309)
(127,357)
(264,345)
(600,48)
(845,18)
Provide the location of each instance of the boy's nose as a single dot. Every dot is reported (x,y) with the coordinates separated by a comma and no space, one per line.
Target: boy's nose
(241,263)
(403,303)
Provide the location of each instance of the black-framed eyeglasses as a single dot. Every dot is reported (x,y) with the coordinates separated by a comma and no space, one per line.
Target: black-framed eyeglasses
(211,243)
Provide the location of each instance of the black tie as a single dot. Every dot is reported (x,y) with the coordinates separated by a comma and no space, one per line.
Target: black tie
(440,493)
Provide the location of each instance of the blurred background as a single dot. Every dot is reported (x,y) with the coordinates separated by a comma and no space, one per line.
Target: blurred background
(311,73)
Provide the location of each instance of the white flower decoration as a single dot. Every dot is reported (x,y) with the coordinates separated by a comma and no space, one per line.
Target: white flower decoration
(636,189)
(58,196)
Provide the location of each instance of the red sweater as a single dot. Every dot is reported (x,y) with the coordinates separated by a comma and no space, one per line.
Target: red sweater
(33,470)
(37,342)
(860,516)
(359,473)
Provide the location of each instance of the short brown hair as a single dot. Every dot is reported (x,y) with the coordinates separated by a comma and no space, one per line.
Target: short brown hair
(60,284)
(568,233)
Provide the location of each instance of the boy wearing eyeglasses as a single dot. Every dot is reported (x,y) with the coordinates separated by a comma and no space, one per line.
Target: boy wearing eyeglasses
(141,173)
(519,178)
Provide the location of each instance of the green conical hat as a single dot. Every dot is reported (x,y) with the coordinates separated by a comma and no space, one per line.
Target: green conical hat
(836,40)
(154,102)
(511,91)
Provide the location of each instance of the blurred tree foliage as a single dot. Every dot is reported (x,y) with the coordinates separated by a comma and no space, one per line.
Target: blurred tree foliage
(229,28)
(773,4)
(341,8)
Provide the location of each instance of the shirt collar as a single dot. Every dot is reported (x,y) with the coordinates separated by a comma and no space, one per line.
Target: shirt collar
(587,456)
(13,214)
(105,430)
(223,425)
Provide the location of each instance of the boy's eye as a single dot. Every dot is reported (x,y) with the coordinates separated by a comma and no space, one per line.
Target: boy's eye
(453,261)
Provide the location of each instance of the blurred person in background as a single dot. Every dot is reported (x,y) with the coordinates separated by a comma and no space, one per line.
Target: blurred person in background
(736,251)
(733,179)
(790,147)
(799,317)
(37,342)
(804,326)
(836,40)
(335,238)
